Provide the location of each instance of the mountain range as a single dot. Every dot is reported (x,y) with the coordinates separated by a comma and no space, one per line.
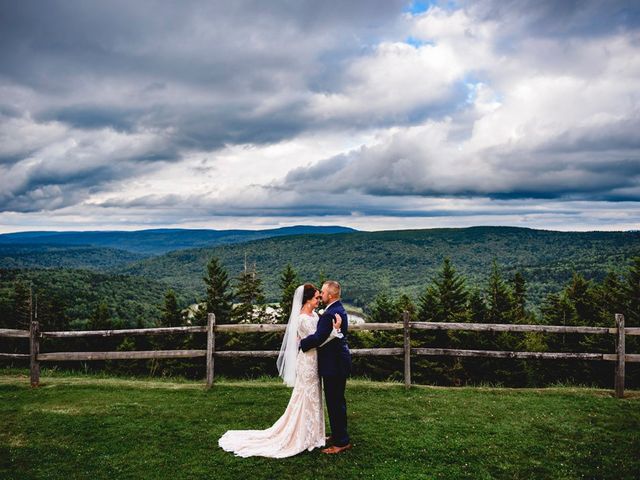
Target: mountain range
(155,241)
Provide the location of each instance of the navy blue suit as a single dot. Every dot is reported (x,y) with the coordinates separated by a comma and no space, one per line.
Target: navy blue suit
(334,366)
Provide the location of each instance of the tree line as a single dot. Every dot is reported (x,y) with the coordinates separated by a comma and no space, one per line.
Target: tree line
(446,297)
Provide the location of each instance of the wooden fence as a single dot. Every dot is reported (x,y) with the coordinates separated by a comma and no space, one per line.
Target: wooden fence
(35,357)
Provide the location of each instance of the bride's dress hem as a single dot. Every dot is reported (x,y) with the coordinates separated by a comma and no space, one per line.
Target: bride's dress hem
(301,427)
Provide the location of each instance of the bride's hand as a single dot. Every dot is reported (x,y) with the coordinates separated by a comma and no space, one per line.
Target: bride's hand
(337,323)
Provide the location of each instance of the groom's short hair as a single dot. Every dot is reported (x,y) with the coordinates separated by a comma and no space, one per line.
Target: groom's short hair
(335,288)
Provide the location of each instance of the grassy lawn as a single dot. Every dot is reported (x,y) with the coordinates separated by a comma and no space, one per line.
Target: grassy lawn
(74,427)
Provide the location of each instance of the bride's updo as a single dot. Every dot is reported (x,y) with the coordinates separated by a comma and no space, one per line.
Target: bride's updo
(309,292)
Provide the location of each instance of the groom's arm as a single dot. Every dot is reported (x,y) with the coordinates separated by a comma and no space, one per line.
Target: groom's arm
(323,330)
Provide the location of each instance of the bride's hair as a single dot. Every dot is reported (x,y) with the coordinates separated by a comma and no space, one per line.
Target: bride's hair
(309,292)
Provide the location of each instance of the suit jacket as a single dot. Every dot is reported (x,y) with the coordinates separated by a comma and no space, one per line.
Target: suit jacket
(334,358)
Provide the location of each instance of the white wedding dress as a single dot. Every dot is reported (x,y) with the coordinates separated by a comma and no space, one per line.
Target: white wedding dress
(301,427)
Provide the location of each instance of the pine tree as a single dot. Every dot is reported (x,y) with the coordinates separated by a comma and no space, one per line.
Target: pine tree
(219,295)
(428,304)
(405,304)
(171,314)
(288,284)
(452,294)
(171,317)
(249,295)
(384,309)
(51,313)
(632,307)
(519,298)
(499,301)
(580,294)
(445,298)
(22,305)
(477,307)
(610,299)
(632,294)
(558,310)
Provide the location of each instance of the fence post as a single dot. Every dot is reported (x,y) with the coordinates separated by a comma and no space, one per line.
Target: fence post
(620,351)
(407,350)
(211,347)
(34,350)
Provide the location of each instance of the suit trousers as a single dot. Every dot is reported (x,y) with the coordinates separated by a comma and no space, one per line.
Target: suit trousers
(334,387)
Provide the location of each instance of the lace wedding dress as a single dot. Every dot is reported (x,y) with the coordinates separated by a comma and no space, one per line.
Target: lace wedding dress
(301,427)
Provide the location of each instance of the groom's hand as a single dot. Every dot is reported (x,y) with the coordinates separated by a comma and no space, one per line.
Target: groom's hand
(337,322)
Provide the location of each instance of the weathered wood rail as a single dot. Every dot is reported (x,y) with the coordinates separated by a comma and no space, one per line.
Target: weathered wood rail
(620,357)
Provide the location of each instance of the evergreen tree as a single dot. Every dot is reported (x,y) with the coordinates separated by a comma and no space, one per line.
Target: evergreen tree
(632,312)
(499,302)
(428,304)
(452,294)
(632,294)
(581,297)
(445,299)
(558,310)
(171,314)
(477,307)
(249,295)
(610,299)
(51,313)
(219,295)
(384,309)
(519,298)
(22,305)
(171,317)
(288,284)
(405,304)
(500,308)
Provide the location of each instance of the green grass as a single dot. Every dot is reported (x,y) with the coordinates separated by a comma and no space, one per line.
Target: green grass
(76,426)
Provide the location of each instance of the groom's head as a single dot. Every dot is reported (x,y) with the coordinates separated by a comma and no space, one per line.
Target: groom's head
(330,291)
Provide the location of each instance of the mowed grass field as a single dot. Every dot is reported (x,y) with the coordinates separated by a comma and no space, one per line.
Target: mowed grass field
(77,427)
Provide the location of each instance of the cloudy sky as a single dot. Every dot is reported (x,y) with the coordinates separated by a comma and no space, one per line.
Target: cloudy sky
(372,114)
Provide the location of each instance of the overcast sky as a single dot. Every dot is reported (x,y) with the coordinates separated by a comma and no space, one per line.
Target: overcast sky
(372,114)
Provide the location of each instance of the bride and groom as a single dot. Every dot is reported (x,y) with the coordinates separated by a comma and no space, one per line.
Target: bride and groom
(314,354)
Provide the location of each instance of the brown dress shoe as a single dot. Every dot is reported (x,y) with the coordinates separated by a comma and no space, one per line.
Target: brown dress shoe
(336,449)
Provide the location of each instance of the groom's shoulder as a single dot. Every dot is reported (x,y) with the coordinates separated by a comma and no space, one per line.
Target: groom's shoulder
(337,307)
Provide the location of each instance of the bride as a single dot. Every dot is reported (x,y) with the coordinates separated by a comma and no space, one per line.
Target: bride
(301,427)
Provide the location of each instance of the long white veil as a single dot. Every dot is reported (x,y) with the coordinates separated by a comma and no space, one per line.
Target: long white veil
(288,351)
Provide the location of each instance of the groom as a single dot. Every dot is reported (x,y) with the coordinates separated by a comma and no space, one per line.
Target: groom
(334,364)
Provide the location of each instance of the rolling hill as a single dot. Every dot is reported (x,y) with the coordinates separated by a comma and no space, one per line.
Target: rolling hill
(155,242)
(368,262)
(27,256)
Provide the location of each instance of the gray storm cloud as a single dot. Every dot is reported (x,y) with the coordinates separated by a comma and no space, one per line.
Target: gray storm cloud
(112,107)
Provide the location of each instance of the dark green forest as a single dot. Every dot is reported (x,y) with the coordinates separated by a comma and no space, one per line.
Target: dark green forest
(404,261)
(482,274)
(35,256)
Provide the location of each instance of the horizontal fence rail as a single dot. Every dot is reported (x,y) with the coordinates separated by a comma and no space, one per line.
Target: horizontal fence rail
(8,332)
(139,355)
(34,335)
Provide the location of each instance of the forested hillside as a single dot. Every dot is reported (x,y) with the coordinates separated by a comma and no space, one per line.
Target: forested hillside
(78,299)
(405,261)
(158,241)
(29,256)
